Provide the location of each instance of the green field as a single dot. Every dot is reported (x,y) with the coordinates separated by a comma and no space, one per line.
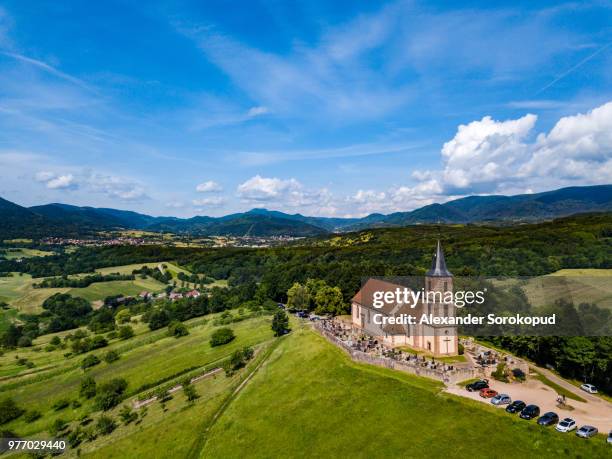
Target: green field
(576,285)
(100,290)
(148,358)
(310,400)
(126,269)
(12,254)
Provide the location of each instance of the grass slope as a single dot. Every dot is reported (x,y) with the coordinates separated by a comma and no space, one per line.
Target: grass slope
(310,400)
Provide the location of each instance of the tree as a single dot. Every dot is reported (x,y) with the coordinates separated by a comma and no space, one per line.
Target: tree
(126,332)
(123,316)
(9,410)
(329,301)
(111,356)
(298,297)
(110,393)
(24,341)
(89,361)
(177,329)
(222,336)
(190,392)
(127,415)
(88,387)
(159,318)
(280,323)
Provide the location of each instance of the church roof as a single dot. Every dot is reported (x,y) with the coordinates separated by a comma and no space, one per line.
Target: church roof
(438,264)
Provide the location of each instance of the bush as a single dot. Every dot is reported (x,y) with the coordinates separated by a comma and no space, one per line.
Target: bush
(24,341)
(461,349)
(238,359)
(222,336)
(9,410)
(518,374)
(111,356)
(31,416)
(500,372)
(105,425)
(55,341)
(126,332)
(88,387)
(110,394)
(58,426)
(61,404)
(177,329)
(127,415)
(280,323)
(89,361)
(190,392)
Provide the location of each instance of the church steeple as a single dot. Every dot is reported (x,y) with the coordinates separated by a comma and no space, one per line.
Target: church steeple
(438,264)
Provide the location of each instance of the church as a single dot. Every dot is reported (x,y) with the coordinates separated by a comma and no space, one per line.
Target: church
(438,340)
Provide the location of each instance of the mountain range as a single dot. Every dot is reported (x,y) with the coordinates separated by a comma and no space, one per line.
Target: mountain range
(67,220)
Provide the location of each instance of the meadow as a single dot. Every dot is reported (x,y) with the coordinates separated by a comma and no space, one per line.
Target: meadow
(310,400)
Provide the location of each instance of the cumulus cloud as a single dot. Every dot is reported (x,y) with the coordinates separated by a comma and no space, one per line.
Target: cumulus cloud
(286,193)
(209,186)
(54,181)
(490,156)
(216,201)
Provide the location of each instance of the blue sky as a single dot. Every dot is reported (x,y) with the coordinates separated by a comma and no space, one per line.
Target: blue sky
(319,107)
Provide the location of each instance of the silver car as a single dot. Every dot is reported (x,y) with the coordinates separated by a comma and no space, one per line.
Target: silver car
(587,431)
(501,399)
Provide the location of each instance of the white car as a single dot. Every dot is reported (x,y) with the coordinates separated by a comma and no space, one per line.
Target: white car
(566,425)
(590,388)
(501,399)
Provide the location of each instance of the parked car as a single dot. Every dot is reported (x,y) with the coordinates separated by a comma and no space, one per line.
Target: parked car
(516,406)
(609,437)
(587,431)
(501,399)
(530,412)
(477,385)
(548,419)
(590,388)
(566,425)
(487,393)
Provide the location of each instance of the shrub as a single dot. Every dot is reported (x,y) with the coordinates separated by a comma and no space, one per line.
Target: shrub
(110,394)
(105,425)
(177,329)
(126,332)
(238,359)
(111,356)
(190,392)
(222,336)
(461,349)
(76,404)
(280,323)
(518,374)
(61,404)
(88,387)
(58,426)
(500,372)
(127,415)
(55,341)
(89,361)
(31,416)
(9,410)
(24,341)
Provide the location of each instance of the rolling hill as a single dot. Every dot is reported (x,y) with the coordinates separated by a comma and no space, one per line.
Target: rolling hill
(62,219)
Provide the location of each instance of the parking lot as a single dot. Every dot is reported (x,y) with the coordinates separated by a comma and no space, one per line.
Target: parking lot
(596,412)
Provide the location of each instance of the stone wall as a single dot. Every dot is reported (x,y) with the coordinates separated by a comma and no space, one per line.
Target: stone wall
(448,376)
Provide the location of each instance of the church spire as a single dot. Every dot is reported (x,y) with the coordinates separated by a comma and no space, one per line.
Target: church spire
(438,264)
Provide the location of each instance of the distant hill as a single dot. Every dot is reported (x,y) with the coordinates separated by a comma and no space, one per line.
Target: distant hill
(62,219)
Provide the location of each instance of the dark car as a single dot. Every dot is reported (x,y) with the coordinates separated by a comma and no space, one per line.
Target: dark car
(478,385)
(548,419)
(530,412)
(516,406)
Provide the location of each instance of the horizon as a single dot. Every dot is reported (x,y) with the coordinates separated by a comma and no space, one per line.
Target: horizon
(337,109)
(265,209)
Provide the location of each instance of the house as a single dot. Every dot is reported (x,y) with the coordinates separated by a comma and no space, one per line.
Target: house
(439,340)
(192,294)
(175,296)
(145,295)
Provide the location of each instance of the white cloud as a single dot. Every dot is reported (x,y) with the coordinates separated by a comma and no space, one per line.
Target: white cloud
(209,202)
(209,186)
(260,188)
(257,111)
(62,182)
(116,187)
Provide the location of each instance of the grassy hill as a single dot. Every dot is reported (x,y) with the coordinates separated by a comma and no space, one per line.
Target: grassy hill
(310,400)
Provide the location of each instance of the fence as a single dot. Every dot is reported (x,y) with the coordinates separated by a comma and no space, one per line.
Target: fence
(446,376)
